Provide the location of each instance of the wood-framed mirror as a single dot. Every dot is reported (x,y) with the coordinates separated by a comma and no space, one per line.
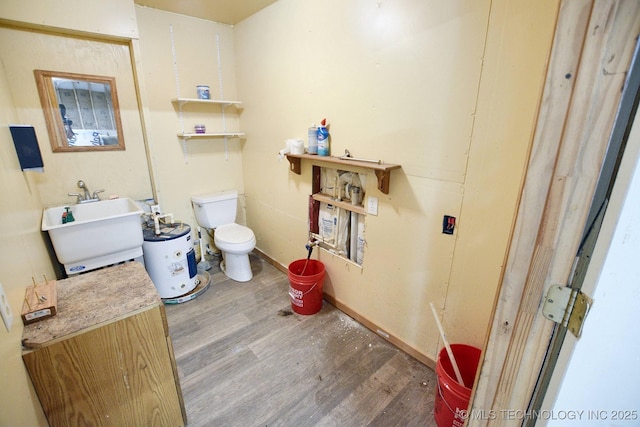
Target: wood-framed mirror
(81,111)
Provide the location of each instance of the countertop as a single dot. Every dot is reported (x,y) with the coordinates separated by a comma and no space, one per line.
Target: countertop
(89,300)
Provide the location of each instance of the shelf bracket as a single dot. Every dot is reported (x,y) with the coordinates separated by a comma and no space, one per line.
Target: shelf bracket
(294,164)
(384,178)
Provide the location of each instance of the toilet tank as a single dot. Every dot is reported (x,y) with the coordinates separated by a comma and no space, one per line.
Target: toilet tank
(214,209)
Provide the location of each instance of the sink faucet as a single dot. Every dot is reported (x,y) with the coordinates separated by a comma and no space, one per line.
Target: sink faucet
(86,196)
(83,186)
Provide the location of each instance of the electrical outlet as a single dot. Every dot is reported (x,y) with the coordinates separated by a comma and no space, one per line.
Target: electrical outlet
(372,205)
(155,209)
(5,309)
(448,224)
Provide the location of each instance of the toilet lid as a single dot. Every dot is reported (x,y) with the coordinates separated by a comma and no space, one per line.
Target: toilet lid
(234,233)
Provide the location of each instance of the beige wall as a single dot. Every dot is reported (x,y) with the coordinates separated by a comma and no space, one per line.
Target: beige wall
(195,166)
(449,91)
(203,165)
(117,172)
(23,249)
(113,18)
(519,38)
(24,255)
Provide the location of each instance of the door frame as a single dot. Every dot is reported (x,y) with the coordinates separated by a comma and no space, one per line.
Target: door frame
(622,144)
(591,55)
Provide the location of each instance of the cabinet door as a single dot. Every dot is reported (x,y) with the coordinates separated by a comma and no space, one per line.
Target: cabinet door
(118,374)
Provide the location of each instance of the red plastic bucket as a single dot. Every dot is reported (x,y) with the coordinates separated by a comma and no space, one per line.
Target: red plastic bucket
(306,278)
(452,398)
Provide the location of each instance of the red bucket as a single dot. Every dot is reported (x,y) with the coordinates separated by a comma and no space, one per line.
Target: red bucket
(306,277)
(452,398)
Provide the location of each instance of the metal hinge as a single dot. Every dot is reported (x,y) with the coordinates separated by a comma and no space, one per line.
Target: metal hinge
(567,306)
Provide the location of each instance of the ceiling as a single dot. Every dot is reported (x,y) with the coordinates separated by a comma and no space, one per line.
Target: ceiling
(224,11)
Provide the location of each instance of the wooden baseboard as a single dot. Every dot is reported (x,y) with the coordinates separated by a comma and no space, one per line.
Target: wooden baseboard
(422,358)
(271,261)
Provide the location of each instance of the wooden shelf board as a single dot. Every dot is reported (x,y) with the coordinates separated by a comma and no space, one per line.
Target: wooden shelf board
(382,170)
(224,103)
(339,203)
(343,161)
(209,135)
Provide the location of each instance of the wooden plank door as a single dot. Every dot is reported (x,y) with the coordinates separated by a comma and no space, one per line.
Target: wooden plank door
(592,51)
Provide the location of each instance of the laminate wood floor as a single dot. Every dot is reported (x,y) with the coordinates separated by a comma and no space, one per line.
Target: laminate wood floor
(245,359)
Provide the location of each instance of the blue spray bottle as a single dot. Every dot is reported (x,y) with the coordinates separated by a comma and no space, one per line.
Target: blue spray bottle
(323,139)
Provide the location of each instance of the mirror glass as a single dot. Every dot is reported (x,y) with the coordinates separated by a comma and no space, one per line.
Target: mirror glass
(81,111)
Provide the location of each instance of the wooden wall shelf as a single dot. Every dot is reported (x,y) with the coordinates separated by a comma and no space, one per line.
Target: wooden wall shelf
(211,135)
(382,170)
(222,103)
(180,102)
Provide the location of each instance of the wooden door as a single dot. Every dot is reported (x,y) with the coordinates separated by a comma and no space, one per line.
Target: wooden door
(592,51)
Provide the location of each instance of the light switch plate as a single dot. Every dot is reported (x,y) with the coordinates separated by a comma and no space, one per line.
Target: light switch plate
(5,309)
(372,205)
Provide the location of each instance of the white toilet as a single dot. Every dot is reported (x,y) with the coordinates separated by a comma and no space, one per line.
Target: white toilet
(218,211)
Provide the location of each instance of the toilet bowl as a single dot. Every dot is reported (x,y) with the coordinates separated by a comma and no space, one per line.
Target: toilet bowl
(235,241)
(217,211)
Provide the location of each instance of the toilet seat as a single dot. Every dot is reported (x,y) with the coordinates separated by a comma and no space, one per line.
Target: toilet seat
(234,233)
(234,238)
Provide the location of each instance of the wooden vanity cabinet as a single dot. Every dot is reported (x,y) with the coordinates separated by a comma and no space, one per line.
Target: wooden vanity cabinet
(106,358)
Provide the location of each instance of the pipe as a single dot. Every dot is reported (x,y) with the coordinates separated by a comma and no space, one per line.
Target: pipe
(309,246)
(204,264)
(347,156)
(353,239)
(156,221)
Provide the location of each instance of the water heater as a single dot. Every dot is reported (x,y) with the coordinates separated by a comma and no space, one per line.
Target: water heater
(170,259)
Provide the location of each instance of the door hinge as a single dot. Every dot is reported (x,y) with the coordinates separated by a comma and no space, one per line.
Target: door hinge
(567,306)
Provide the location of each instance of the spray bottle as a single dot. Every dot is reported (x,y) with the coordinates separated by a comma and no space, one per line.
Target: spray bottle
(70,217)
(323,139)
(313,140)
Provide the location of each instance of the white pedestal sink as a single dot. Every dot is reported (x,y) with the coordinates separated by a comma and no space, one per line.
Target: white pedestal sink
(103,233)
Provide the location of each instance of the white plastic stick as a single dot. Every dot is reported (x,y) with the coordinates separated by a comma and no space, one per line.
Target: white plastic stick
(201,245)
(447,346)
